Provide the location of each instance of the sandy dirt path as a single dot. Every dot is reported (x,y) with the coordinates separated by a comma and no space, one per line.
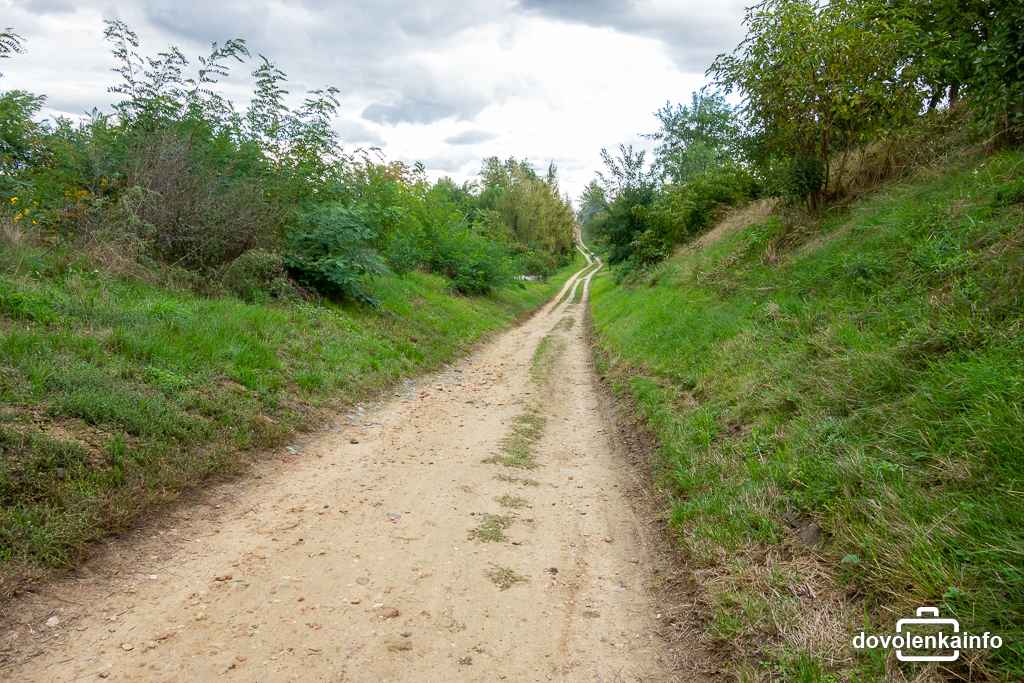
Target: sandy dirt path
(385,548)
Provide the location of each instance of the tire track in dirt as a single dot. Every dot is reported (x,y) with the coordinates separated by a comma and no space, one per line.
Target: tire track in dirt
(351,557)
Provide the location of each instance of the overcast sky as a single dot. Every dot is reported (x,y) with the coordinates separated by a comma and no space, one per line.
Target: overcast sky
(446,82)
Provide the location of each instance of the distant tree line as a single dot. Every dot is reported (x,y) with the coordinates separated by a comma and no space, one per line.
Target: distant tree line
(266,200)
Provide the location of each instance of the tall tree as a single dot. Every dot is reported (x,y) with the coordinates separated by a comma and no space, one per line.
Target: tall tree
(817,78)
(695,137)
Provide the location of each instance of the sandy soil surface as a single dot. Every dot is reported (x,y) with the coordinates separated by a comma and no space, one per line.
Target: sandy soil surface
(385,548)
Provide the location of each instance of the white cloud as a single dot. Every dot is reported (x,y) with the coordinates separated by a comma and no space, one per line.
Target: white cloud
(443,82)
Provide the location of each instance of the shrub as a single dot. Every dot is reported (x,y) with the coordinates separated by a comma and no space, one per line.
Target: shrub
(685,210)
(330,251)
(257,275)
(198,216)
(798,177)
(537,262)
(474,263)
(403,251)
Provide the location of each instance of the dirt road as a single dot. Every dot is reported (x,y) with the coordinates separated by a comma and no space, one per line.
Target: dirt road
(474,527)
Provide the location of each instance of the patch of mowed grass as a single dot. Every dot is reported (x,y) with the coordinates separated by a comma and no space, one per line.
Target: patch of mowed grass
(865,374)
(545,357)
(516,449)
(118,394)
(491,528)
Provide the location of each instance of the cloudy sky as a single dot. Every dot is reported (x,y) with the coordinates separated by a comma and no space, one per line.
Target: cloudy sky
(446,82)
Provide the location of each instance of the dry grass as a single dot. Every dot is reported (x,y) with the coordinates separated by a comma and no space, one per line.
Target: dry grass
(521,481)
(734,220)
(512,502)
(504,577)
(11,233)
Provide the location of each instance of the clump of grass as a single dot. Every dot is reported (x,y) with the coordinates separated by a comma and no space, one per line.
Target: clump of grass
(545,356)
(520,481)
(504,577)
(491,528)
(517,447)
(865,372)
(512,502)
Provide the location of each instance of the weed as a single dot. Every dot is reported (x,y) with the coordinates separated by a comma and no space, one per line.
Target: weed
(503,577)
(521,481)
(491,528)
(512,502)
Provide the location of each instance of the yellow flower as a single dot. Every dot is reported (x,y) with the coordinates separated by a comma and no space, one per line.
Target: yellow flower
(14,200)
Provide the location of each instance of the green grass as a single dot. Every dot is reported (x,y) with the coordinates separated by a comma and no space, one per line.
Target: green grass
(865,374)
(491,528)
(116,394)
(517,448)
(545,356)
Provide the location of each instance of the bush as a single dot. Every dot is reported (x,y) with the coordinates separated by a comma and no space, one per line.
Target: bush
(403,251)
(538,263)
(257,275)
(798,177)
(685,210)
(330,250)
(474,263)
(198,216)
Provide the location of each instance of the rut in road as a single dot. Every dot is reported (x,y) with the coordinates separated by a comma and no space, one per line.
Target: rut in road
(475,527)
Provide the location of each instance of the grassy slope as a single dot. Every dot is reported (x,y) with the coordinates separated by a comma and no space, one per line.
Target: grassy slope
(867,381)
(115,394)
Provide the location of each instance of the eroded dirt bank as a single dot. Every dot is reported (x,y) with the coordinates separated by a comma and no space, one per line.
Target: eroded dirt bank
(475,527)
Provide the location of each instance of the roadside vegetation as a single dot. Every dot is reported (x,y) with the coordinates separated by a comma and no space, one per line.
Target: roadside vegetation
(835,374)
(831,98)
(183,282)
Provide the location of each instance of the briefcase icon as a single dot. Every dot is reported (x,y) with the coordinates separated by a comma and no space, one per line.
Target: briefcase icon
(929,616)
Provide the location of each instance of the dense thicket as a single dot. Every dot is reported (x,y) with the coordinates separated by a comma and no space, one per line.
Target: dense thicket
(820,86)
(266,198)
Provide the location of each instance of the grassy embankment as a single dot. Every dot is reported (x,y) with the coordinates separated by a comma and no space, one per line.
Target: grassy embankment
(116,394)
(840,413)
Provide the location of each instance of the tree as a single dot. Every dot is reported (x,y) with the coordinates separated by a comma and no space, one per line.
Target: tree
(694,138)
(10,44)
(529,208)
(629,189)
(818,78)
(592,202)
(966,49)
(18,129)
(624,172)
